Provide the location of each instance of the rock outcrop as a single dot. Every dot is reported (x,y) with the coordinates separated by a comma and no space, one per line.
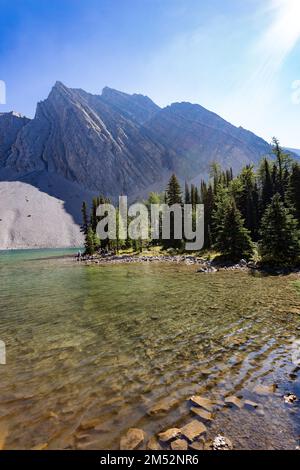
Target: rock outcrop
(10,125)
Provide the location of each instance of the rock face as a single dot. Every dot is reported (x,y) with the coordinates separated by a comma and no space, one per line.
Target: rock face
(203,137)
(10,125)
(90,140)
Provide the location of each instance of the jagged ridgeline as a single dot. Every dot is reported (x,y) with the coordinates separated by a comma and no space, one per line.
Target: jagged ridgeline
(121,144)
(255,215)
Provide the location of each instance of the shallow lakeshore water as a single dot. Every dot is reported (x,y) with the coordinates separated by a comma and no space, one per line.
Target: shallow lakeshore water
(91,349)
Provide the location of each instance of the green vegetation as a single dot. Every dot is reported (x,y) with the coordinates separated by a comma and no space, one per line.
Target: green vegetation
(253,215)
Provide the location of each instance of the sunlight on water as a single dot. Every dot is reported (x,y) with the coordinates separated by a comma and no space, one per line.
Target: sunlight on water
(91,349)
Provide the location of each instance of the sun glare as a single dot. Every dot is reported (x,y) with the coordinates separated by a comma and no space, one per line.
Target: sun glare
(284,32)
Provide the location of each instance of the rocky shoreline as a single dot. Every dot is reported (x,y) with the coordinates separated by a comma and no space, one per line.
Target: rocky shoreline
(195,434)
(204,265)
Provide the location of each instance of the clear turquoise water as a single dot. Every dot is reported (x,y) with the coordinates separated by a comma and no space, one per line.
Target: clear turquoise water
(91,349)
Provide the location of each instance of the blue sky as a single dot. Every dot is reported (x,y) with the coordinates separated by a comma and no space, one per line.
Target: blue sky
(239,58)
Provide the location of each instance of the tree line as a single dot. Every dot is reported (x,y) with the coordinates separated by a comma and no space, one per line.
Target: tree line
(256,213)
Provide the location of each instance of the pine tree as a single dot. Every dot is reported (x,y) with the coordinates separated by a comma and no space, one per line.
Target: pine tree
(187,195)
(173,196)
(233,239)
(85,222)
(220,204)
(266,183)
(247,200)
(207,199)
(283,163)
(91,242)
(280,236)
(173,192)
(293,192)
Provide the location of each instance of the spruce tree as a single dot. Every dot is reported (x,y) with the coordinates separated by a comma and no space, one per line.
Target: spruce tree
(266,184)
(293,193)
(280,236)
(207,199)
(187,195)
(91,242)
(247,200)
(283,164)
(173,196)
(85,222)
(233,239)
(173,192)
(220,203)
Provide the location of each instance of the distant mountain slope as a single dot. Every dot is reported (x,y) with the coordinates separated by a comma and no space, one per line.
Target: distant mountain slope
(202,137)
(294,151)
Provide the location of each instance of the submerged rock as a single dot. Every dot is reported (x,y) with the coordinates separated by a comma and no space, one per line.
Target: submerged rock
(206,415)
(251,404)
(222,443)
(233,400)
(193,430)
(163,406)
(265,389)
(179,444)
(132,439)
(153,444)
(42,446)
(169,435)
(205,403)
(3,436)
(197,445)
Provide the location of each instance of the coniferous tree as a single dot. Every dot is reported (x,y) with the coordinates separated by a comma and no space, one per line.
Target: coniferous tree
(85,222)
(173,196)
(293,192)
(91,242)
(267,188)
(221,202)
(247,200)
(233,239)
(280,237)
(187,195)
(207,199)
(283,163)
(173,192)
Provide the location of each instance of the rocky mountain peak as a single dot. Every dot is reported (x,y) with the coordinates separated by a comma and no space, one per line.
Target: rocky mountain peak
(121,143)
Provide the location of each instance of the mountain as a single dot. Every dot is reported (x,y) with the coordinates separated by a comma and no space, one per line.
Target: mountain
(114,143)
(119,143)
(294,151)
(10,125)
